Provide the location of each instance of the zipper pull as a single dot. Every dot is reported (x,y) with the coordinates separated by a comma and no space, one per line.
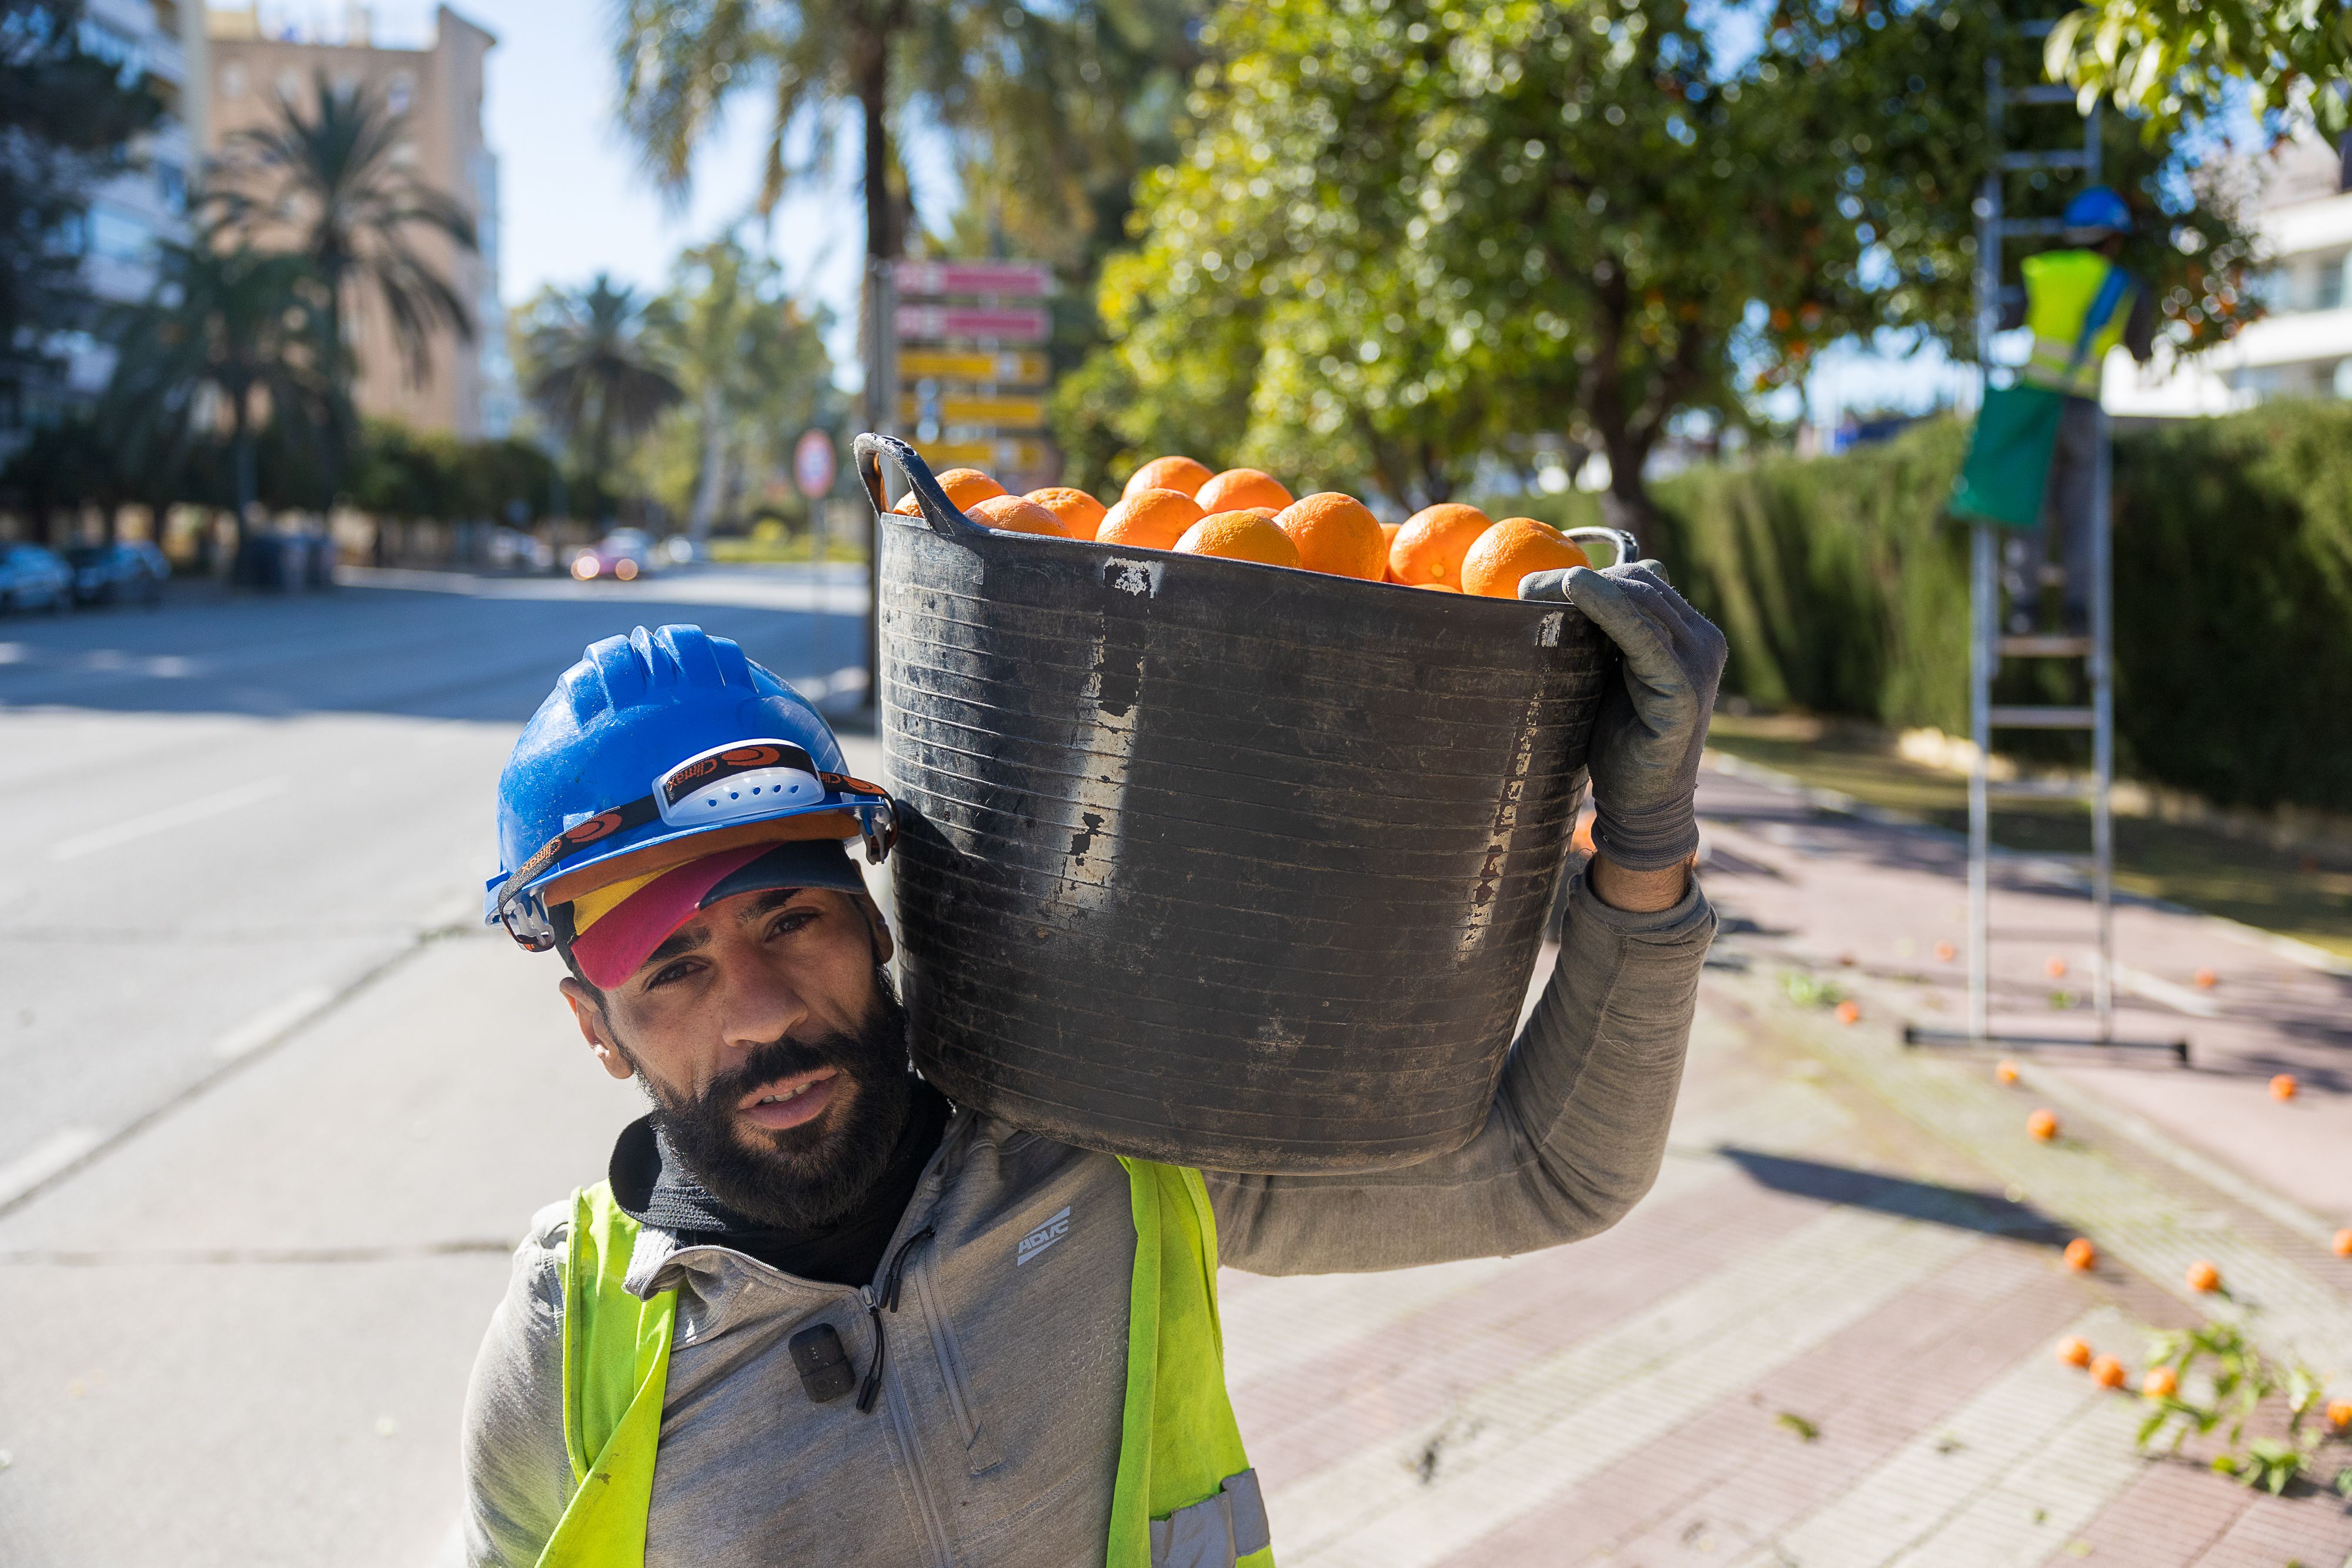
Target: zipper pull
(884,1294)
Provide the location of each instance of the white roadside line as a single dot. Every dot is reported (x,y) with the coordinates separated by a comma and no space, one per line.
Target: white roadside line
(45,1159)
(165,821)
(1507,1447)
(2042,1438)
(2155,988)
(272,1021)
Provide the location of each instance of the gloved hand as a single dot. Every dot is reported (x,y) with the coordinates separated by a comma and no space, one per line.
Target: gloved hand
(1652,721)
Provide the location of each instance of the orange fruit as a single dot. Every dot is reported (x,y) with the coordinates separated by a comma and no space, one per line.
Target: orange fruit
(1239,489)
(2106,1372)
(2054,967)
(1510,550)
(1080,513)
(2342,1244)
(1334,533)
(1149,519)
(2160,1384)
(2206,979)
(1181,475)
(1946,952)
(2339,1413)
(2081,1255)
(1388,543)
(2074,1351)
(2203,1276)
(963,485)
(1239,535)
(1017,514)
(2004,1071)
(1429,548)
(1848,1011)
(2283,1086)
(2043,1124)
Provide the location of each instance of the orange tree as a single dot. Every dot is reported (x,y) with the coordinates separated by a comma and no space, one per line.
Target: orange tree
(1402,235)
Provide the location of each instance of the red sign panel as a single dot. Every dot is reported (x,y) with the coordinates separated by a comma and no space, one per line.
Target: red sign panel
(1022,279)
(1012,324)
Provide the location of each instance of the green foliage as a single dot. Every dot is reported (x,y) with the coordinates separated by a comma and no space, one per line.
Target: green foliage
(2236,1381)
(1842,590)
(67,120)
(2173,63)
(1402,234)
(410,474)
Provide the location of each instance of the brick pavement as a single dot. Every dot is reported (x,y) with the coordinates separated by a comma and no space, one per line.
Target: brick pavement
(1825,1339)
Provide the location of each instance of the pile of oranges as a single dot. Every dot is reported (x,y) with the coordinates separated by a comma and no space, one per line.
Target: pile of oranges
(1177,504)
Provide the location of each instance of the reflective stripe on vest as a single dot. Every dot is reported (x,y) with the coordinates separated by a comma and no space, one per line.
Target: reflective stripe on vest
(2063,293)
(1185,1496)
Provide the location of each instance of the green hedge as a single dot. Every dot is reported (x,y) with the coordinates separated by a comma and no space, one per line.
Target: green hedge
(1842,592)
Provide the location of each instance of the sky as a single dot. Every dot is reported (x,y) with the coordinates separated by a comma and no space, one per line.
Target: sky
(575,201)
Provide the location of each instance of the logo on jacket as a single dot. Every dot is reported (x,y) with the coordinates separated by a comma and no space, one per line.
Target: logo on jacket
(1044,1236)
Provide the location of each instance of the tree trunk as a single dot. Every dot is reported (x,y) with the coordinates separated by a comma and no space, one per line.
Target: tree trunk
(883,240)
(241,460)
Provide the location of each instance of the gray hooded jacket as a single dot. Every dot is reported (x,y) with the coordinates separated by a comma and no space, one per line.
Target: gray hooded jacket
(996,1436)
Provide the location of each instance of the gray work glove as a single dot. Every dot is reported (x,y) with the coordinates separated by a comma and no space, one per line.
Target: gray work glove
(1652,721)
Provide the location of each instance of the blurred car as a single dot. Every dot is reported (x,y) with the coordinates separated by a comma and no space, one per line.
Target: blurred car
(32,578)
(625,554)
(679,550)
(116,574)
(512,550)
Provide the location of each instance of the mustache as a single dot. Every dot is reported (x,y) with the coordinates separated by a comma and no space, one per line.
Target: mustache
(780,1058)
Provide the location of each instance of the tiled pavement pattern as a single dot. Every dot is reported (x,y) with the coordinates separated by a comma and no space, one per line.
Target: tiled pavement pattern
(1823,1341)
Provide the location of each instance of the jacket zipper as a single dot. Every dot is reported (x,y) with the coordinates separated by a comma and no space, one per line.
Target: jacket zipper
(885,1295)
(981,1453)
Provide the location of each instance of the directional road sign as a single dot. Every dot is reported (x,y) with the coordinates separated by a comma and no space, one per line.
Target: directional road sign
(953,408)
(1006,369)
(930,279)
(1005,324)
(1011,455)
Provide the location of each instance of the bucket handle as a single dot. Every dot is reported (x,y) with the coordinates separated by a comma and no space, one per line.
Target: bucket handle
(1627,548)
(940,512)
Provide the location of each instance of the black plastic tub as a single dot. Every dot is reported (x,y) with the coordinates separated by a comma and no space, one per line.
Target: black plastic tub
(1212,862)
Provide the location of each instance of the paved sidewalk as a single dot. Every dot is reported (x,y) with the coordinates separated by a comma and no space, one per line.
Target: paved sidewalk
(1825,1339)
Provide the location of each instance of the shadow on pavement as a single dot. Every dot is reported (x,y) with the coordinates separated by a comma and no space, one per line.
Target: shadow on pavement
(1986,1212)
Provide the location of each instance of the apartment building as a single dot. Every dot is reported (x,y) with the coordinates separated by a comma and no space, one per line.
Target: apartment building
(128,213)
(2303,346)
(468,386)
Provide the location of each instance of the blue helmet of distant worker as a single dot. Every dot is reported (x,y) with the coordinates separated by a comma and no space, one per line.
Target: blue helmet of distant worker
(662,749)
(2095,215)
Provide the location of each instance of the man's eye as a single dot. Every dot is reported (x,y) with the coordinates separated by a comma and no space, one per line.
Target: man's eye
(670,972)
(792,920)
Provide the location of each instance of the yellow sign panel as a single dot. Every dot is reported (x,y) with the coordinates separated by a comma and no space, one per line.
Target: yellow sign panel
(1005,413)
(1010,455)
(1006,369)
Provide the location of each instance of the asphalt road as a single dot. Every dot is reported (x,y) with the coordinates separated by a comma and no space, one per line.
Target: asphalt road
(217,819)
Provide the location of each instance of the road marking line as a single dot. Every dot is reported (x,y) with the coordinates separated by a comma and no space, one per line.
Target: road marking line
(165,821)
(45,1159)
(270,1022)
(2040,1437)
(1515,1442)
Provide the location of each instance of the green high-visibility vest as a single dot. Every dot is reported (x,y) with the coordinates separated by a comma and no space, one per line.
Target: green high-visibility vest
(2077,302)
(1180,1447)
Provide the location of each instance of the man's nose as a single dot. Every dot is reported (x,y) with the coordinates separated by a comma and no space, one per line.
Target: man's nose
(760,1004)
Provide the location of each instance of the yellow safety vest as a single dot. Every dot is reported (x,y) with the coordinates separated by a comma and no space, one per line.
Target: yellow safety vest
(2077,302)
(1179,1444)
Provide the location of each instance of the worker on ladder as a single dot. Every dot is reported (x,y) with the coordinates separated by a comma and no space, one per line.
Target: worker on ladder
(2080,304)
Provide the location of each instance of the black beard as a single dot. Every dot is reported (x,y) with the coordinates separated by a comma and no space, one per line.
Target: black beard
(798,1178)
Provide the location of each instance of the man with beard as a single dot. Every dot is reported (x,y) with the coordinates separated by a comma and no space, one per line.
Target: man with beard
(819,1316)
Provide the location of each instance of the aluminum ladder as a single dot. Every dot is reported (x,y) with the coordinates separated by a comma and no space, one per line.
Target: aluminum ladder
(1991,642)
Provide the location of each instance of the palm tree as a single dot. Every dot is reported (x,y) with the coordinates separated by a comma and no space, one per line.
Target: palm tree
(995,69)
(230,335)
(593,373)
(335,186)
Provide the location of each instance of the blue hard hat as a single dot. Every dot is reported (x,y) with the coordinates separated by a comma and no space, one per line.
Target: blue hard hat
(2098,209)
(655,750)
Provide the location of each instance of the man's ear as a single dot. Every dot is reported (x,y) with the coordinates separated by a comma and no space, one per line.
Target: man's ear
(883,946)
(588,1012)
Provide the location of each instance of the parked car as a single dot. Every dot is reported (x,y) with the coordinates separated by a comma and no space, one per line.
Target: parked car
(512,550)
(625,554)
(32,578)
(121,573)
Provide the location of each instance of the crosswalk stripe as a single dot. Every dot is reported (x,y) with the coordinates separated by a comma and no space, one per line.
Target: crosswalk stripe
(2003,1483)
(1519,1439)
